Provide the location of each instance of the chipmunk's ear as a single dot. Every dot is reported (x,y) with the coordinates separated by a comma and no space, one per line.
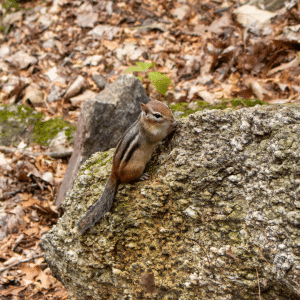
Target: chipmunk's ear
(145,109)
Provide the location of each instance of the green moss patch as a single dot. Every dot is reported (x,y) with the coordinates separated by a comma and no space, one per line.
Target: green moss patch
(44,132)
(21,121)
(222,104)
(239,102)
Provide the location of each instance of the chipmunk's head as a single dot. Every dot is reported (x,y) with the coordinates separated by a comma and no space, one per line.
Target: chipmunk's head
(157,120)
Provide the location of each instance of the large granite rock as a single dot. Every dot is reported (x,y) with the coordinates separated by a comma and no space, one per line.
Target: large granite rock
(218,219)
(102,122)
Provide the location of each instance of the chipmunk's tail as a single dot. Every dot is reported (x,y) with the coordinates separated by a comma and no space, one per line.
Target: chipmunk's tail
(100,207)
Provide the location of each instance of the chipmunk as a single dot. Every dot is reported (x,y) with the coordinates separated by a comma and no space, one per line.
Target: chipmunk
(133,152)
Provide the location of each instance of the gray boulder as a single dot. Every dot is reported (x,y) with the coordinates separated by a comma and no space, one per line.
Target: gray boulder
(102,122)
(218,219)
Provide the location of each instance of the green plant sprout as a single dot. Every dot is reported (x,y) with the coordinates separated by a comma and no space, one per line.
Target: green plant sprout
(157,79)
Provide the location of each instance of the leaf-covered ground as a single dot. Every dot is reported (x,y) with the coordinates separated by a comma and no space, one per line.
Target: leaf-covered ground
(54,55)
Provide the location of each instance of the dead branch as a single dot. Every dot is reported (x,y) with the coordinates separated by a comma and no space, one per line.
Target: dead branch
(55,155)
(258,283)
(20,262)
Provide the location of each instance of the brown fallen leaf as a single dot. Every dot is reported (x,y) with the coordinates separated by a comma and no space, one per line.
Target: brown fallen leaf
(12,291)
(147,282)
(24,169)
(229,252)
(292,64)
(31,231)
(46,279)
(110,45)
(291,45)
(258,90)
(29,273)
(13,220)
(30,202)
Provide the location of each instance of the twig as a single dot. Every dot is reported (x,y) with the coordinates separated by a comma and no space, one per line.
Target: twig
(229,253)
(20,262)
(201,248)
(258,283)
(29,153)
(49,108)
(59,154)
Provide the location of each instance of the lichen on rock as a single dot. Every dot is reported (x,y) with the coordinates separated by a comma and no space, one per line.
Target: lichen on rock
(219,214)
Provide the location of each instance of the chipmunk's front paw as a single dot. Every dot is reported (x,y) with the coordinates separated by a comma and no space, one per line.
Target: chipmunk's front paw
(145,176)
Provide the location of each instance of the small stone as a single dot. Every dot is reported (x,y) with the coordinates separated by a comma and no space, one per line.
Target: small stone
(75,87)
(100,81)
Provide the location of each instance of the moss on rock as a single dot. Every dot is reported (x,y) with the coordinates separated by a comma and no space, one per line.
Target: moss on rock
(20,120)
(183,107)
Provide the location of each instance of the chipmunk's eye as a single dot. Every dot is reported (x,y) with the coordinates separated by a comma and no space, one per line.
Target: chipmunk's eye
(157,115)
